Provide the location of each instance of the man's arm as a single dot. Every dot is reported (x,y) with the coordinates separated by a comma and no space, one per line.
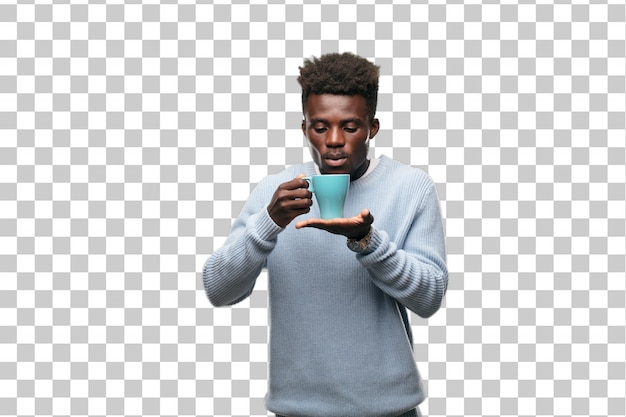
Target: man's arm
(416,275)
(230,273)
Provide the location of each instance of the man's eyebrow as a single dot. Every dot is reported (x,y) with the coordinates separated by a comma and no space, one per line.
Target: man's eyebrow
(351,120)
(343,122)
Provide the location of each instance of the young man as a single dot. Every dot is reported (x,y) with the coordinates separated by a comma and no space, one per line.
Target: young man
(340,338)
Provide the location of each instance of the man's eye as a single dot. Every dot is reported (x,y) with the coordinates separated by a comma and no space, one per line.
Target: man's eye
(319,129)
(350,129)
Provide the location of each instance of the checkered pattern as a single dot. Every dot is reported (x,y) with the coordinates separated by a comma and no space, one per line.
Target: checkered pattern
(131,135)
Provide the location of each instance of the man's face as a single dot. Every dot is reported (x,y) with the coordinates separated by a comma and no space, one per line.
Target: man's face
(338,130)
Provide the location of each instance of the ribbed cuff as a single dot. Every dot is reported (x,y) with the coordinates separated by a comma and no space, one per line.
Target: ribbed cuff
(375,241)
(265,226)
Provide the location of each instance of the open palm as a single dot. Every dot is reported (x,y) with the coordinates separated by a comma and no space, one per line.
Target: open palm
(352,227)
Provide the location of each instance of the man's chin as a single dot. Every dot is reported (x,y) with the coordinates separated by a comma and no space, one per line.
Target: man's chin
(332,170)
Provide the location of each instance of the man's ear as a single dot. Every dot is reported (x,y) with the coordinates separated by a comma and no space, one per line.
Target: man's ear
(374,127)
(303,127)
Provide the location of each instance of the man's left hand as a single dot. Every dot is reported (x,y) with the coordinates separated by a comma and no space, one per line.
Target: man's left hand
(353,227)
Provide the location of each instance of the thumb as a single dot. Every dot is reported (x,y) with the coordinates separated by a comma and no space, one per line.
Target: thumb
(367,216)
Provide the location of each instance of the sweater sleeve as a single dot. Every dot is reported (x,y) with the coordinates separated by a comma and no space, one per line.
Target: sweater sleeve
(230,273)
(415,274)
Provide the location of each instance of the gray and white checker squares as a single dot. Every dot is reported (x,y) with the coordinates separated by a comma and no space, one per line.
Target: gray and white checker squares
(131,135)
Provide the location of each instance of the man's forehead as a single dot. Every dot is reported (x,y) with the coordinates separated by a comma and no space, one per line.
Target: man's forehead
(317,103)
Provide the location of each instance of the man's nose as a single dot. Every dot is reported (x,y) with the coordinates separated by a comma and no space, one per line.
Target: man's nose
(334,138)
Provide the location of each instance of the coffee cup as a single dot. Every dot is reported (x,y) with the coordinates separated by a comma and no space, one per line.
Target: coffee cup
(330,192)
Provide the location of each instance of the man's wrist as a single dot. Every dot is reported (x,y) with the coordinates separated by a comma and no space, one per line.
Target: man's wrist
(360,244)
(361,235)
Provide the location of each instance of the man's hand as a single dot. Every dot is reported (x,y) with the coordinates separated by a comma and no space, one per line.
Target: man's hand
(353,228)
(290,200)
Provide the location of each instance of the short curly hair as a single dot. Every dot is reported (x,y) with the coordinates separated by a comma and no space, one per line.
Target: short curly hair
(340,74)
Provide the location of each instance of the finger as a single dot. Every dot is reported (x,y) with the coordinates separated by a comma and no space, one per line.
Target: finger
(367,216)
(298,204)
(306,223)
(295,184)
(300,182)
(301,224)
(314,222)
(325,224)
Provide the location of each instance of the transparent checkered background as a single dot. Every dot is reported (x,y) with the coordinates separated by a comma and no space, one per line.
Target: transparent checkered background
(131,135)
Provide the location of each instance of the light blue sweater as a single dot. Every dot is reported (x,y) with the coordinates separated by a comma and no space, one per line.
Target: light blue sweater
(340,339)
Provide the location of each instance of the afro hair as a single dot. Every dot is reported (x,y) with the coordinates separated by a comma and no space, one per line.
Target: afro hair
(340,74)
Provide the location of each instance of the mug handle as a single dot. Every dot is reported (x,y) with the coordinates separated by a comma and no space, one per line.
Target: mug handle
(308,179)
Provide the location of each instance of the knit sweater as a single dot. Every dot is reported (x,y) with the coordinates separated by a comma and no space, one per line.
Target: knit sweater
(340,338)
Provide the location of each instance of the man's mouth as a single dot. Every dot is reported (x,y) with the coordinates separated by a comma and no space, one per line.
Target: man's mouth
(335,161)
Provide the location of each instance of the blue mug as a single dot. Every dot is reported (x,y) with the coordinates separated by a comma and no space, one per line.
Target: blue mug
(330,192)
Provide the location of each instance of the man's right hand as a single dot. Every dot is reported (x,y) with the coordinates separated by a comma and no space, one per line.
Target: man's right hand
(290,200)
